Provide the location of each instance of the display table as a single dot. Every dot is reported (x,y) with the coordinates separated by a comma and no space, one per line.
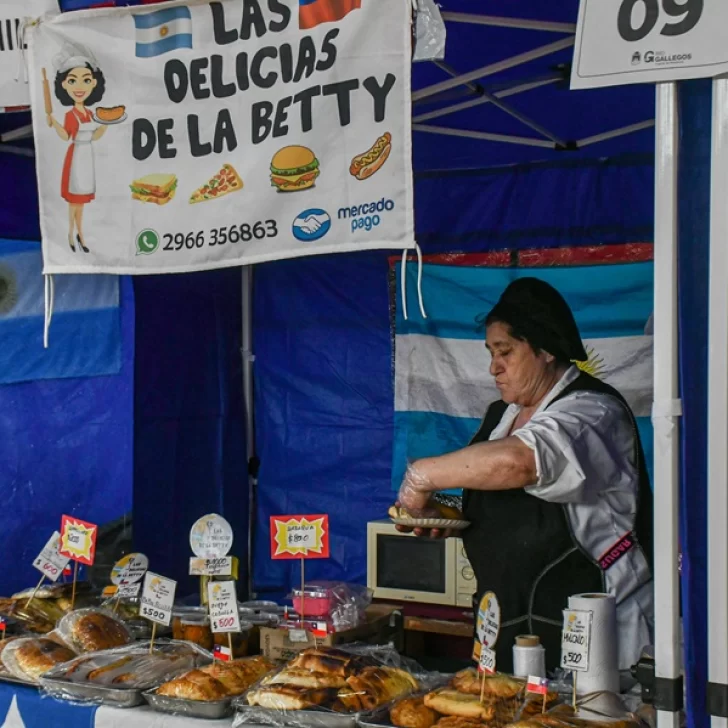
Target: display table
(22,707)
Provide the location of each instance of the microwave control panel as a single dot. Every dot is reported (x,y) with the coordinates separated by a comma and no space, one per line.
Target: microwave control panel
(464,578)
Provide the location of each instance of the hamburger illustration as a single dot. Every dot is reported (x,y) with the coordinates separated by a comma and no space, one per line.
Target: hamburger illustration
(158,189)
(294,168)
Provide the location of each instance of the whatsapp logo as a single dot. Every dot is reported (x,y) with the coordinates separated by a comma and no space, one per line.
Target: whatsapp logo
(147,241)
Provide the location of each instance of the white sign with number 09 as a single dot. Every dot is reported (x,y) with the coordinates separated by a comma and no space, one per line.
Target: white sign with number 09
(648,41)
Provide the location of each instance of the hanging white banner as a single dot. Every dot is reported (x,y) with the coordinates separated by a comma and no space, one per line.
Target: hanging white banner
(208,134)
(648,41)
(14,89)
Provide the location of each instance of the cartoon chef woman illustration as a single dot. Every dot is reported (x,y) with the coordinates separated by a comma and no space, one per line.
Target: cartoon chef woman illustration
(79,83)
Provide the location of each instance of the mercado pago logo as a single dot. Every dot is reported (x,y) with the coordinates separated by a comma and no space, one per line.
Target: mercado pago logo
(366,216)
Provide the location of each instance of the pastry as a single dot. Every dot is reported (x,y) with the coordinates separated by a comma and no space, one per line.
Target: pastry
(452,721)
(194,685)
(306,679)
(462,705)
(96,631)
(237,676)
(413,713)
(285,697)
(374,686)
(326,661)
(496,686)
(36,656)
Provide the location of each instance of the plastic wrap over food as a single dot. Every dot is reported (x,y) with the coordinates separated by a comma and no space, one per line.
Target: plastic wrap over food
(599,710)
(91,630)
(430,32)
(118,676)
(27,658)
(322,684)
(206,692)
(343,604)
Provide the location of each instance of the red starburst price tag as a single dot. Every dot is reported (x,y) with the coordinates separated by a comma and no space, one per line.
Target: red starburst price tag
(299,537)
(78,540)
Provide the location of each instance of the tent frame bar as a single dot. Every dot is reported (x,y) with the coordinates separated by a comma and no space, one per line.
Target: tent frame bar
(667,407)
(622,131)
(494,68)
(500,22)
(482,136)
(484,99)
(718,413)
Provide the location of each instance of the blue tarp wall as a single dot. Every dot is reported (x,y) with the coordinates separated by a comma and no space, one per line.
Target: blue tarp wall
(322,339)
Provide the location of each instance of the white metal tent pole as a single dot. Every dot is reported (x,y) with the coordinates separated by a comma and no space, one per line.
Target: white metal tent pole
(499,22)
(249,403)
(482,136)
(666,407)
(718,412)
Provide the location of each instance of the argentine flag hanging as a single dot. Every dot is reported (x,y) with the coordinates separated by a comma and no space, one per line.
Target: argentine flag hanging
(442,381)
(163,31)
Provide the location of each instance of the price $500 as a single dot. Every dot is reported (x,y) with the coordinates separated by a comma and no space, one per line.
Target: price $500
(573,658)
(224,622)
(638,18)
(152,613)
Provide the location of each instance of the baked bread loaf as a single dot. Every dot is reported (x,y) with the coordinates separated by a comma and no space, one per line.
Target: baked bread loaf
(413,713)
(95,631)
(375,686)
(33,657)
(194,685)
(288,697)
(496,686)
(462,705)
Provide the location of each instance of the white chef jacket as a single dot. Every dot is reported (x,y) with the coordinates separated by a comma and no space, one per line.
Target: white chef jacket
(586,459)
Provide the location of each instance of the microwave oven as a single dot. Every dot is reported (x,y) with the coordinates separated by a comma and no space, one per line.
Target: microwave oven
(403,567)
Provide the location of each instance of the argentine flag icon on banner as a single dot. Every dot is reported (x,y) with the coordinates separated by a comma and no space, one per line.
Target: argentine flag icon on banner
(163,31)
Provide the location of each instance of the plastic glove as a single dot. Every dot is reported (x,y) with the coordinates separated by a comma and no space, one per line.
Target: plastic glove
(415,491)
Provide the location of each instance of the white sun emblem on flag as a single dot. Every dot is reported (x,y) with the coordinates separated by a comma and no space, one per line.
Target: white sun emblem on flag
(594,364)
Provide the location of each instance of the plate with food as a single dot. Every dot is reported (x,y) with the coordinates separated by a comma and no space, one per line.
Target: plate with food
(443,516)
(109,115)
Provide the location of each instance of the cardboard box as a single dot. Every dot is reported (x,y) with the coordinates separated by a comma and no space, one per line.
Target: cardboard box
(384,624)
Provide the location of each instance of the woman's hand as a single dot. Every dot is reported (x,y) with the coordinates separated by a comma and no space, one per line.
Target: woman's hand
(416,489)
(425,532)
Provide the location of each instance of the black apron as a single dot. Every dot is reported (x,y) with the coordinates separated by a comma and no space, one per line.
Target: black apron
(522,549)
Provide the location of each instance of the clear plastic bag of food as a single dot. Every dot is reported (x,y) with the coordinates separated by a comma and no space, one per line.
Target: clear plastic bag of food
(324,686)
(27,658)
(119,676)
(92,630)
(207,692)
(343,604)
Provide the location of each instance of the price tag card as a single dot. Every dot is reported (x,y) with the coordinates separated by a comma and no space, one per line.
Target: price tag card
(486,663)
(130,569)
(128,591)
(157,598)
(78,540)
(298,636)
(211,537)
(222,566)
(575,640)
(223,603)
(49,562)
(649,41)
(299,537)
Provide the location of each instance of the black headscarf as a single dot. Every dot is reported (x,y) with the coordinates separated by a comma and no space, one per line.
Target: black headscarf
(538,313)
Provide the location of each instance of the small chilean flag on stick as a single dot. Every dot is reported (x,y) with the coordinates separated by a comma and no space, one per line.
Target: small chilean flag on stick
(538,685)
(222,653)
(315,12)
(3,627)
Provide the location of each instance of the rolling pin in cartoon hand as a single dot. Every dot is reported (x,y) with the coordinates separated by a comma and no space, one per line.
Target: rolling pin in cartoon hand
(47,98)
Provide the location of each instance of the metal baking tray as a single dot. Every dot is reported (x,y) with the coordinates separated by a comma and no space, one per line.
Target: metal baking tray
(85,692)
(308,718)
(6,677)
(208,709)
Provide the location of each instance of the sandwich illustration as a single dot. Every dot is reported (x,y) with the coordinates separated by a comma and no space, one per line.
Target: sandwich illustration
(294,168)
(156,188)
(227,180)
(110,114)
(365,165)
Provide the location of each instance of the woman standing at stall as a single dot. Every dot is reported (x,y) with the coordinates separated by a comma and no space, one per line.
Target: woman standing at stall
(554,482)
(79,83)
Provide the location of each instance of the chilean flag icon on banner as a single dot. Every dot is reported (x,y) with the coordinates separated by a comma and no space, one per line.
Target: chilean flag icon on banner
(315,12)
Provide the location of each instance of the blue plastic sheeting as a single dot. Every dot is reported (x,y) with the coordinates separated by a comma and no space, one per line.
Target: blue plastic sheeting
(189,434)
(695,120)
(324,398)
(65,447)
(86,332)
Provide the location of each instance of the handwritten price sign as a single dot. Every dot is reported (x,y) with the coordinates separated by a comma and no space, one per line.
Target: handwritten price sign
(49,562)
(224,616)
(575,640)
(78,540)
(157,598)
(299,537)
